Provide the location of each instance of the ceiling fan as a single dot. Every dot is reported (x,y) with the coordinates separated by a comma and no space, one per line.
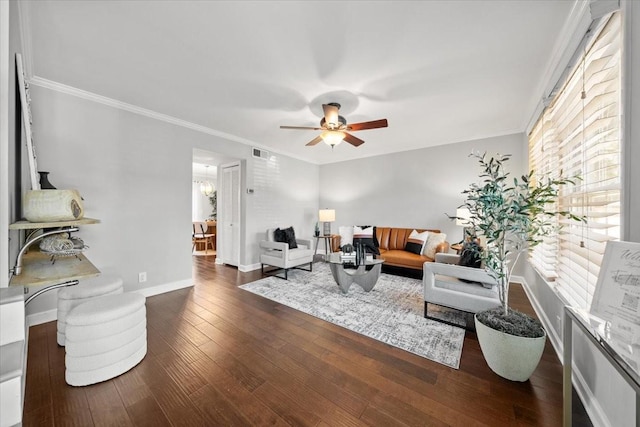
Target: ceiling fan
(335,127)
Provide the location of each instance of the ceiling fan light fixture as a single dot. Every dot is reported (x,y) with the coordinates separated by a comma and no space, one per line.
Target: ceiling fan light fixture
(332,137)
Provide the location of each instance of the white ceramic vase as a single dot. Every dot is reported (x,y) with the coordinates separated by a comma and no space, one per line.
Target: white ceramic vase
(512,357)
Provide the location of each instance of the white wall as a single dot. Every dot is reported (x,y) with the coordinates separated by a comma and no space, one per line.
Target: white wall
(285,194)
(412,188)
(135,175)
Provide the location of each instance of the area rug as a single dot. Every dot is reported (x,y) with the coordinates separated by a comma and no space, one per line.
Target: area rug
(392,312)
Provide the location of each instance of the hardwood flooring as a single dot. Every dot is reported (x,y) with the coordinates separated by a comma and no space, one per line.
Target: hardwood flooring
(220,356)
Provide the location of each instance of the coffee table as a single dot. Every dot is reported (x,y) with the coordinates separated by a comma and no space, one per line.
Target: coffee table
(344,277)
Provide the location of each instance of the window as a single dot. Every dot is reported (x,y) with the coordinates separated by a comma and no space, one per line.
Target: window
(579,134)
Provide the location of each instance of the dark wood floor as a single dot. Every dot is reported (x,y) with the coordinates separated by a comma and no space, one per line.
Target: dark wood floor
(218,355)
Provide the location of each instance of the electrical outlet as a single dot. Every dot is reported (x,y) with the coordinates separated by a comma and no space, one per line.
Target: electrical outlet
(142,277)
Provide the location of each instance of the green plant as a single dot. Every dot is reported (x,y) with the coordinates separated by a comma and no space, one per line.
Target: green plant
(213,199)
(513,216)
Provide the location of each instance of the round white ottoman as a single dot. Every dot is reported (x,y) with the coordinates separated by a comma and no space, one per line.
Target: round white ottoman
(69,297)
(105,337)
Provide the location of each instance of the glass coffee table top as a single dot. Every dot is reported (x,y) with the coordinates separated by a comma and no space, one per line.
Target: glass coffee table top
(337,258)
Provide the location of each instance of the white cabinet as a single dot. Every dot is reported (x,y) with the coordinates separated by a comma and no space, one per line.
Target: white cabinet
(13,351)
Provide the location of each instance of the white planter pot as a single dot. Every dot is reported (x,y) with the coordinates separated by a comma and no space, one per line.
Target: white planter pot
(511,357)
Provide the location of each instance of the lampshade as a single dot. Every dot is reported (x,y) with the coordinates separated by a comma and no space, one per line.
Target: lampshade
(327,215)
(463,216)
(332,137)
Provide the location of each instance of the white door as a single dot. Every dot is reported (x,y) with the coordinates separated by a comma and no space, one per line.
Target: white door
(230,205)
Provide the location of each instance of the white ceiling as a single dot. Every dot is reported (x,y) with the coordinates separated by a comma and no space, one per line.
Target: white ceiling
(439,71)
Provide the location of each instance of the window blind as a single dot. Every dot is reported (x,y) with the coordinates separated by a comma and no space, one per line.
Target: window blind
(579,134)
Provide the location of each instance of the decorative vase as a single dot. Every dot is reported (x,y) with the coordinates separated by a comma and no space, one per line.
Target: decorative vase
(44,181)
(512,357)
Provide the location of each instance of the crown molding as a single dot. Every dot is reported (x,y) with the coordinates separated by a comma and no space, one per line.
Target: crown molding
(114,103)
(90,96)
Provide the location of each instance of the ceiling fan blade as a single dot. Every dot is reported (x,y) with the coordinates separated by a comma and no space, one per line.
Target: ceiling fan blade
(300,127)
(382,123)
(331,115)
(353,140)
(314,141)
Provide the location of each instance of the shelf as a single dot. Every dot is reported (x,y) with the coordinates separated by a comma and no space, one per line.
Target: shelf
(26,225)
(37,269)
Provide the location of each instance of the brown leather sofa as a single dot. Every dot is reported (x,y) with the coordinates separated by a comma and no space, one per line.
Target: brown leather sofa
(392,241)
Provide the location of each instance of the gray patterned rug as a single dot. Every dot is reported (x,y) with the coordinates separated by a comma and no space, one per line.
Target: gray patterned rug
(392,312)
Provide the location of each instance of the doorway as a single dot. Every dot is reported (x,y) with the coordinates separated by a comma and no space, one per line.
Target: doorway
(216,201)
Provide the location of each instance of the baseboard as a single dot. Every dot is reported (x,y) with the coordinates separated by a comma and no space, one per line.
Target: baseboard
(166,287)
(42,317)
(250,267)
(52,315)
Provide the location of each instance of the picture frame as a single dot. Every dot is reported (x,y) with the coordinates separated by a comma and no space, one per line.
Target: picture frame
(25,107)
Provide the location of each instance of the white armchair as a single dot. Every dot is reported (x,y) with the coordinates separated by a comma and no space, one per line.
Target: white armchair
(442,286)
(278,255)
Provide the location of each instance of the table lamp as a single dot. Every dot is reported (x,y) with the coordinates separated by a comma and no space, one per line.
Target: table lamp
(462,219)
(326,216)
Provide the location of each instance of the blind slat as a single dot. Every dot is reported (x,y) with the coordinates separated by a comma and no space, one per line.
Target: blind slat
(576,136)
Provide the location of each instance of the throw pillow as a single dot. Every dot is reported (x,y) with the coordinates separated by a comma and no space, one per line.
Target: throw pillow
(286,235)
(367,238)
(416,241)
(470,256)
(346,235)
(432,244)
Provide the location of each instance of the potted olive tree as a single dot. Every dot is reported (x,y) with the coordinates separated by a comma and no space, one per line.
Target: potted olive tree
(513,216)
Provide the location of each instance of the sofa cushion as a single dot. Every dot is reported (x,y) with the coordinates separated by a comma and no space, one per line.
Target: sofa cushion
(402,258)
(416,241)
(299,253)
(473,288)
(433,241)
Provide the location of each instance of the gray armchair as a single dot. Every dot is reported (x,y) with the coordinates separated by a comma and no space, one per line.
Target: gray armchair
(278,255)
(443,286)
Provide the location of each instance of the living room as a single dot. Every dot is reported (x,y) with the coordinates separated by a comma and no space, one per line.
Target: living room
(133,163)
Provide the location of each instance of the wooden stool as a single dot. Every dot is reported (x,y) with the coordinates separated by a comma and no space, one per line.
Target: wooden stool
(105,337)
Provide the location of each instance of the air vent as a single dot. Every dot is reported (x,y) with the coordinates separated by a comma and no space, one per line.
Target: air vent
(260,154)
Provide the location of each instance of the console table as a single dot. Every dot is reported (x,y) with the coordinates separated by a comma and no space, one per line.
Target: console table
(598,334)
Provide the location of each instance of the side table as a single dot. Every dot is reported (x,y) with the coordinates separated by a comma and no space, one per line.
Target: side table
(327,244)
(457,247)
